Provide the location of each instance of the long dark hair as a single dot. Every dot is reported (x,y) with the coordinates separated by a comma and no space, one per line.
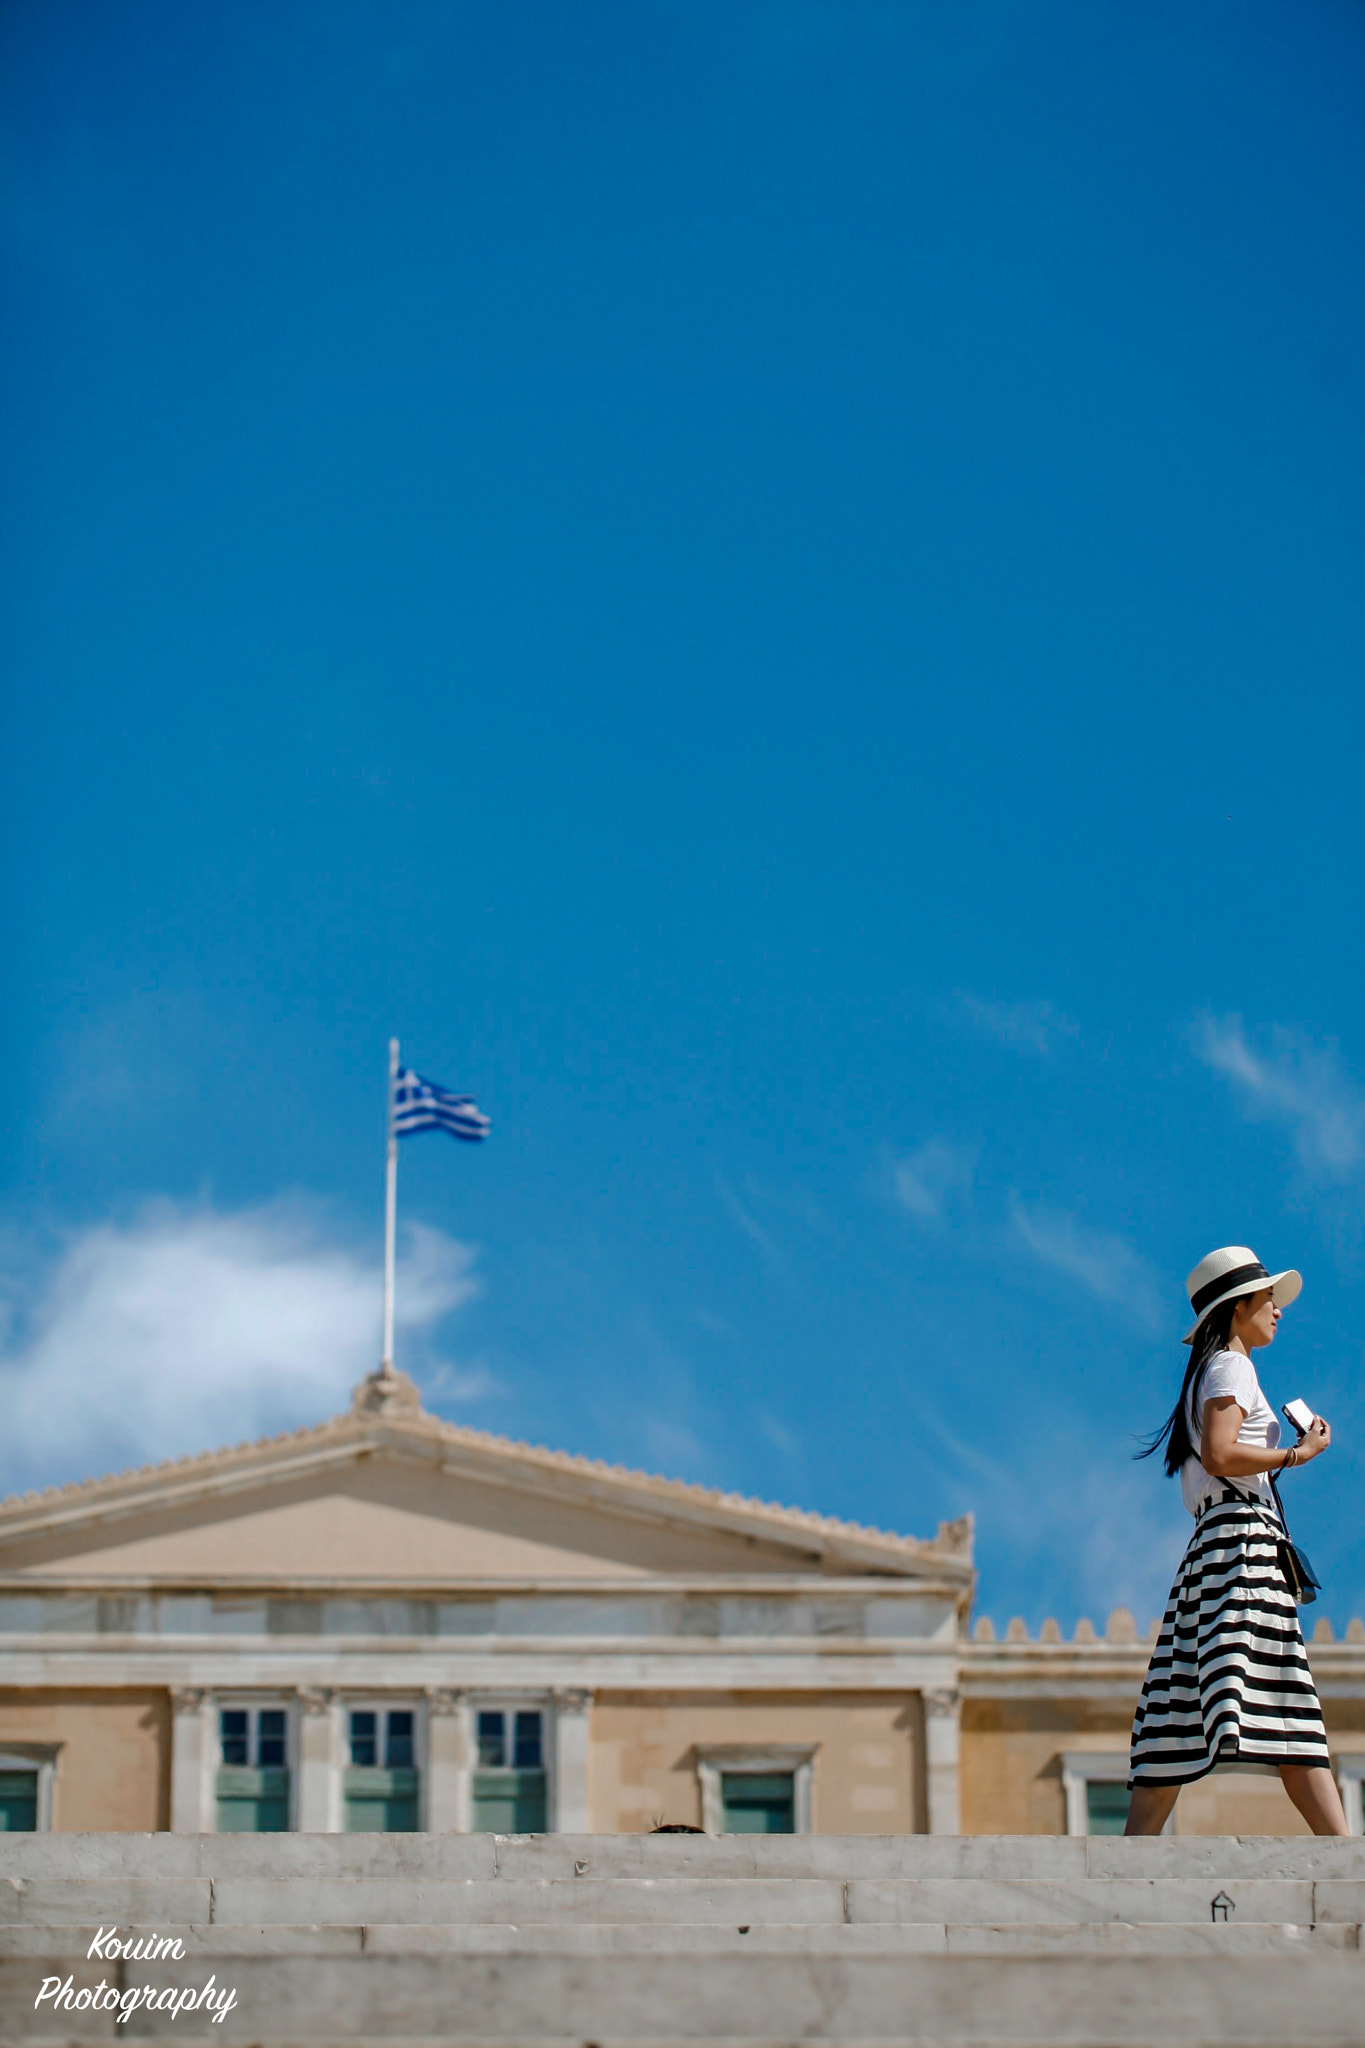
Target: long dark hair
(1212,1335)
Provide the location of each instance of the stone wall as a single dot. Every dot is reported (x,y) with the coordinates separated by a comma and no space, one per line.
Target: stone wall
(1012,1750)
(867,1777)
(1030,1702)
(114,1768)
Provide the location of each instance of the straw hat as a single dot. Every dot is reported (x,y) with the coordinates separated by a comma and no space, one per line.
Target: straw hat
(1234,1270)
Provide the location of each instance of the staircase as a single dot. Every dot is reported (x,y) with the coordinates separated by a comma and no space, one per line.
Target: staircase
(519,1941)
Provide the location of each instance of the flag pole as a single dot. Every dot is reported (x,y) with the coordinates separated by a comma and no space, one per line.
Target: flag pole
(390,1212)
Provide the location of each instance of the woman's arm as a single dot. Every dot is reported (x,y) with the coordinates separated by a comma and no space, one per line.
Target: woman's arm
(1225,1458)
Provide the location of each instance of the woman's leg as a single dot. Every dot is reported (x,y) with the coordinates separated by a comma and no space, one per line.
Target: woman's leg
(1149,1809)
(1313,1790)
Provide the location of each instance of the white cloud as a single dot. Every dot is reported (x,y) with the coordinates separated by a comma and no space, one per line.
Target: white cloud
(1110,1530)
(1026,1027)
(674,1448)
(188,1328)
(1105,1265)
(447,1385)
(749,1224)
(1129,1530)
(783,1440)
(924,1181)
(1296,1084)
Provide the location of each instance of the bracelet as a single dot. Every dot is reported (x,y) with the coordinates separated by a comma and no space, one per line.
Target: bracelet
(1291,1457)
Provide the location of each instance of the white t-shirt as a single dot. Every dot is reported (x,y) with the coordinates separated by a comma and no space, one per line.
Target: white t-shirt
(1229,1374)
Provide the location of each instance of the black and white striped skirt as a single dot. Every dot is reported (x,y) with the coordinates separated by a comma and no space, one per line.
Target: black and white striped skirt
(1229,1683)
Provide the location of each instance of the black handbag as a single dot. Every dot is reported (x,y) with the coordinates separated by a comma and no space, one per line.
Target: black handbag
(1300,1577)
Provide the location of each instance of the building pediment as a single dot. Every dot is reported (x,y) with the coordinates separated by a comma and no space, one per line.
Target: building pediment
(388,1495)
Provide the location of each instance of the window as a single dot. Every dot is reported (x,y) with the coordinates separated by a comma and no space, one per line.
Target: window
(753,1791)
(18,1796)
(1351,1780)
(383,1786)
(509,1775)
(1106,1808)
(1095,1786)
(18,1802)
(757,1803)
(27,1774)
(253,1774)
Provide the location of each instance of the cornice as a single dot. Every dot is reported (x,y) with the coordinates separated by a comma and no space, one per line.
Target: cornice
(642,1586)
(1091,1666)
(408,1432)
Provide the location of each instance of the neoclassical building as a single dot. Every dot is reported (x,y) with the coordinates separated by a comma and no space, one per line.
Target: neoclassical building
(392,1622)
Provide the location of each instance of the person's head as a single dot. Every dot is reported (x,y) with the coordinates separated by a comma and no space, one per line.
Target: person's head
(1234,1273)
(1236,1302)
(1254,1317)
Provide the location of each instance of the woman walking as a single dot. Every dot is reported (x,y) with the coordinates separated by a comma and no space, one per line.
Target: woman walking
(1229,1684)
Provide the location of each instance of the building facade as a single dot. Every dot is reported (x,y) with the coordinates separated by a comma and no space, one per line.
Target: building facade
(391,1622)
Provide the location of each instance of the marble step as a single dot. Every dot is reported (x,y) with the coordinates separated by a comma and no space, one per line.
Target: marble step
(1068,2002)
(220,1944)
(693,1901)
(662,1857)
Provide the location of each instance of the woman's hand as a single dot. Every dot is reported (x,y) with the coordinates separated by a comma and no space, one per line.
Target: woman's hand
(1226,1458)
(1314,1441)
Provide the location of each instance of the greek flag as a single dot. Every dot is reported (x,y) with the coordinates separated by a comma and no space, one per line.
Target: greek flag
(420,1105)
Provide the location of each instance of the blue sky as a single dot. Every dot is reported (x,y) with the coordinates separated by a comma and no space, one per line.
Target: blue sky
(776,588)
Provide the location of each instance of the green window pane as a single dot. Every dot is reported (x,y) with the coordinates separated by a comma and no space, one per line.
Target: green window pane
(509,1803)
(18,1802)
(270,1729)
(364,1739)
(754,1804)
(492,1738)
(399,1739)
(253,1802)
(1106,1807)
(235,1735)
(380,1802)
(526,1742)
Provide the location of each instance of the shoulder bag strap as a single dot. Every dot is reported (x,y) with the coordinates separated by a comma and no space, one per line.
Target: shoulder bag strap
(1279,1507)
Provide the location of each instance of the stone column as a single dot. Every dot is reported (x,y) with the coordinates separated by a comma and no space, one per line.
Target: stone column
(450,1761)
(571,1762)
(194,1759)
(941,1711)
(318,1806)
